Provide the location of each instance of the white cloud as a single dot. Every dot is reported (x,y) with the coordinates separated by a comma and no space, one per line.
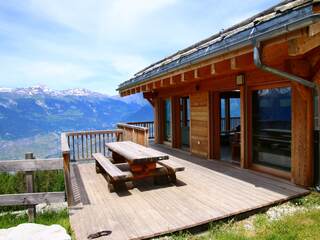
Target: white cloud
(58,74)
(99,43)
(58,71)
(128,64)
(104,18)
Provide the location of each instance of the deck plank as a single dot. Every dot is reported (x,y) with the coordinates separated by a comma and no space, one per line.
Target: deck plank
(206,191)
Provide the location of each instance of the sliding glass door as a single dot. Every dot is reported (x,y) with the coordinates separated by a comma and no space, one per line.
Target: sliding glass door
(271,128)
(167,120)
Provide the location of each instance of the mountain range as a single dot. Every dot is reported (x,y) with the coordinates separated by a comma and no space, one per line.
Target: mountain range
(26,112)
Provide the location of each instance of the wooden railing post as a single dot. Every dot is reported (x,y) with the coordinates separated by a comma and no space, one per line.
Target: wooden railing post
(30,189)
(67,179)
(66,167)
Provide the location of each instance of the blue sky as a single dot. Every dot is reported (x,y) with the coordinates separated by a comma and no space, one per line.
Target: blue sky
(97,44)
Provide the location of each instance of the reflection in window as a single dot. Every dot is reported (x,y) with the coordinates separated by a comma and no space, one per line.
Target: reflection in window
(271,127)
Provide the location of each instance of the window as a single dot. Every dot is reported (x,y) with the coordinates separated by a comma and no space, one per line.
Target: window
(271,127)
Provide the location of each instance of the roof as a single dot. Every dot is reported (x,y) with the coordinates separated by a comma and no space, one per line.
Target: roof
(237,36)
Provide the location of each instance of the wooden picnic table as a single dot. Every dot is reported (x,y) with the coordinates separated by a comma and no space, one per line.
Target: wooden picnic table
(136,153)
(131,161)
(142,160)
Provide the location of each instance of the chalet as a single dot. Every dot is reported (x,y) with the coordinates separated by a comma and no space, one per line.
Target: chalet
(247,95)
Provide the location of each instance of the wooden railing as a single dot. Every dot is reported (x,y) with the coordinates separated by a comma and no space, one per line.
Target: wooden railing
(84,144)
(149,125)
(31,199)
(81,145)
(134,133)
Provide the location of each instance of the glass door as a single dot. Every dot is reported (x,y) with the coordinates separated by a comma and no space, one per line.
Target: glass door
(271,128)
(167,120)
(185,120)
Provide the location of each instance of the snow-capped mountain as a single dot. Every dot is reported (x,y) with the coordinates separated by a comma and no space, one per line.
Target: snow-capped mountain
(44,90)
(25,112)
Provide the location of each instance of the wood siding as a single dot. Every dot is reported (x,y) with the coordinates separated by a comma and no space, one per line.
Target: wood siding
(199,115)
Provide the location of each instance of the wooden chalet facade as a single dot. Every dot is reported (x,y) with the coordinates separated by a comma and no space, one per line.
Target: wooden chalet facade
(248,95)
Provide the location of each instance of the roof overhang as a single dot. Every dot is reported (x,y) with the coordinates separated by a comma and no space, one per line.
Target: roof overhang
(231,42)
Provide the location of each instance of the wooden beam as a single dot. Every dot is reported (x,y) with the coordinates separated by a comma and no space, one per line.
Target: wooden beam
(316,77)
(233,64)
(206,63)
(223,67)
(31,165)
(213,69)
(29,178)
(314,29)
(215,125)
(275,54)
(303,44)
(176,129)
(157,120)
(244,159)
(31,198)
(196,74)
(166,82)
(299,67)
(302,135)
(143,88)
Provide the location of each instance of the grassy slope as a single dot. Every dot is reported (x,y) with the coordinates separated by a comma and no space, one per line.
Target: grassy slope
(302,224)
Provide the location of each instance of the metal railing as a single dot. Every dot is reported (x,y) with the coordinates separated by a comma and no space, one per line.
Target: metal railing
(234,123)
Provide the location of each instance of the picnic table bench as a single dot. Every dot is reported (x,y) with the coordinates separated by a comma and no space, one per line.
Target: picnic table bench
(131,161)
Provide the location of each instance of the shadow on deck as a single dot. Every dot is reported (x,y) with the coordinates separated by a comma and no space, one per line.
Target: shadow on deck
(206,191)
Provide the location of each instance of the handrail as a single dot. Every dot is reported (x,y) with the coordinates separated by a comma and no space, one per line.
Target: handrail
(93,132)
(31,165)
(125,125)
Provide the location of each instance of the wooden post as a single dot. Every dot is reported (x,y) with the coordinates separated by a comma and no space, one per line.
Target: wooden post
(66,167)
(244,162)
(67,179)
(30,189)
(227,113)
(302,135)
(215,123)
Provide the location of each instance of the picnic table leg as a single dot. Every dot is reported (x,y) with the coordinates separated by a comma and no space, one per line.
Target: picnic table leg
(98,167)
(172,177)
(162,177)
(117,186)
(118,158)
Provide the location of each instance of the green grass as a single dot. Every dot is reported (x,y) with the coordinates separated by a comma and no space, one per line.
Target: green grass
(46,218)
(45,181)
(303,224)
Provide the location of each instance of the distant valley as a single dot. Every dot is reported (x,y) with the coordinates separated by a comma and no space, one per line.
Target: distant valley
(34,117)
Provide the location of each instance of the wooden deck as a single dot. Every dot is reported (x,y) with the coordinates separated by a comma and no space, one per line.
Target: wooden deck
(206,191)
